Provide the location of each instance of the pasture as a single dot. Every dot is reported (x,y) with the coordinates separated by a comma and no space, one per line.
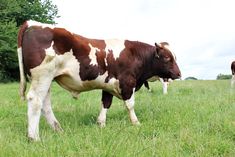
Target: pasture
(195,118)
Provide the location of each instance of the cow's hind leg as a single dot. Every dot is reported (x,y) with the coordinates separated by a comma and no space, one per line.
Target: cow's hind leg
(35,97)
(48,113)
(42,77)
(106,103)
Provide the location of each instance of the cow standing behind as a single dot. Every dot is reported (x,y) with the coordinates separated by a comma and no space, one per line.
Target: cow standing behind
(165,83)
(117,67)
(233,74)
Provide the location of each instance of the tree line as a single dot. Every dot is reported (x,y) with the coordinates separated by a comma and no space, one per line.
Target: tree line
(13,13)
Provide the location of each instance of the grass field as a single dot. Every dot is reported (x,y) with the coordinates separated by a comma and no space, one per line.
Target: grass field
(196,118)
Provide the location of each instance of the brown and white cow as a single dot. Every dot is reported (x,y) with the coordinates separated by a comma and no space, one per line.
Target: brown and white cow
(117,67)
(165,83)
(233,73)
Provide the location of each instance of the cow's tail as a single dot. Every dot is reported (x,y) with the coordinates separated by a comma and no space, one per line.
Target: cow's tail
(23,82)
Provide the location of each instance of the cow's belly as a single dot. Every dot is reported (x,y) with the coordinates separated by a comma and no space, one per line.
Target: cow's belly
(76,86)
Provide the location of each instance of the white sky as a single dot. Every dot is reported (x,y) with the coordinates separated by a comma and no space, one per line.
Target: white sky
(201,32)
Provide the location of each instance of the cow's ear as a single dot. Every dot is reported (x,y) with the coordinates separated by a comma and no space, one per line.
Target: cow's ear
(156,44)
(157,50)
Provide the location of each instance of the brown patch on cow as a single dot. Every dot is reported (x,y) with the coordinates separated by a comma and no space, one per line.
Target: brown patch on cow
(63,40)
(21,32)
(101,56)
(34,42)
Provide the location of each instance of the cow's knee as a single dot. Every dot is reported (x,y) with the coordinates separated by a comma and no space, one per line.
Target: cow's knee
(34,102)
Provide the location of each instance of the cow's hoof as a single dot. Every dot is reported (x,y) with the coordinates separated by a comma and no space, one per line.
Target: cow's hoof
(33,139)
(57,127)
(136,123)
(101,124)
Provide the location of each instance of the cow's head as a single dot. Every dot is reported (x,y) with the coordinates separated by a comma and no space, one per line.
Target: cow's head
(164,62)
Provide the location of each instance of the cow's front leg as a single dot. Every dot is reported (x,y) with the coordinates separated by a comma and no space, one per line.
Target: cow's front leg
(106,103)
(128,95)
(130,107)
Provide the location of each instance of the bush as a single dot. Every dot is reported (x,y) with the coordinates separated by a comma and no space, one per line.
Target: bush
(223,77)
(190,78)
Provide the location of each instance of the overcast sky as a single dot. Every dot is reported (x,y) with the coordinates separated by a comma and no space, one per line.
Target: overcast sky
(201,32)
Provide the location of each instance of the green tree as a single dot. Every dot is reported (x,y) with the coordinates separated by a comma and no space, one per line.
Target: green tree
(223,77)
(13,13)
(8,57)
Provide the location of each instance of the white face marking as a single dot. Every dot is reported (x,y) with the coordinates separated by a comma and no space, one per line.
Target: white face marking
(35,23)
(168,48)
(92,55)
(50,51)
(114,45)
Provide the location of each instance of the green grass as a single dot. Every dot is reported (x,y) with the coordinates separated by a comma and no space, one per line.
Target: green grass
(195,119)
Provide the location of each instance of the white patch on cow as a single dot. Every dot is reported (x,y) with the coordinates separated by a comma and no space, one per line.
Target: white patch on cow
(92,55)
(70,68)
(102,116)
(114,87)
(43,25)
(50,51)
(130,106)
(114,45)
